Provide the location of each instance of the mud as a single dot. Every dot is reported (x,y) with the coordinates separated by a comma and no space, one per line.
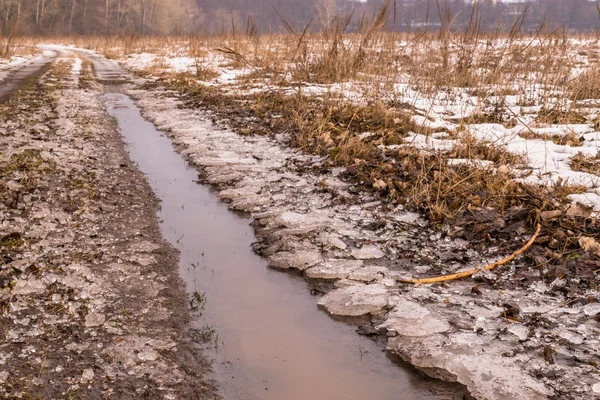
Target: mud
(106,72)
(20,75)
(90,301)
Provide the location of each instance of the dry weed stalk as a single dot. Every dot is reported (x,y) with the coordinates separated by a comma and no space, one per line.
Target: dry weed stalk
(471,272)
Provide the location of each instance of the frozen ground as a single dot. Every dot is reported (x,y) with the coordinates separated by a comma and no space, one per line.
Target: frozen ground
(313,224)
(90,303)
(504,336)
(15,61)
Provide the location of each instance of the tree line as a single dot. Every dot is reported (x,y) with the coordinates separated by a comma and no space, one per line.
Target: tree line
(108,17)
(96,17)
(403,15)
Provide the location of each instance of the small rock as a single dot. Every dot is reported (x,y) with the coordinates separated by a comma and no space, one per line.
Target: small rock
(548,215)
(591,309)
(596,387)
(94,319)
(87,376)
(3,377)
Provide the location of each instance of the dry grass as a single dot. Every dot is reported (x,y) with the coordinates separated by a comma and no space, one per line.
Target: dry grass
(498,72)
(570,139)
(583,163)
(586,85)
(12,46)
(470,148)
(485,64)
(556,116)
(423,180)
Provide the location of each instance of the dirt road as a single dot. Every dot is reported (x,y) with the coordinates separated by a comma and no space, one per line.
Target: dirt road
(91,305)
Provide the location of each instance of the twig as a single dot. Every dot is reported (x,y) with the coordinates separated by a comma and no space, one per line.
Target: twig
(464,274)
(42,367)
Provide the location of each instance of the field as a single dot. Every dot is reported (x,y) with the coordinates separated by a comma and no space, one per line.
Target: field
(465,128)
(444,186)
(483,136)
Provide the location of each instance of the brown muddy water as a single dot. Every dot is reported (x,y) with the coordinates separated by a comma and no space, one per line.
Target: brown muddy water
(270,340)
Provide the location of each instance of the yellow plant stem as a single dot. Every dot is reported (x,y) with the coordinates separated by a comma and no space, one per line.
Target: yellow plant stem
(464,274)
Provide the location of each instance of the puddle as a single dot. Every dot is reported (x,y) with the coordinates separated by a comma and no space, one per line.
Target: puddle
(273,341)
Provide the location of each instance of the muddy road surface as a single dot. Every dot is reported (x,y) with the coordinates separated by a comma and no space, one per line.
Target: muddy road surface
(91,304)
(15,77)
(101,297)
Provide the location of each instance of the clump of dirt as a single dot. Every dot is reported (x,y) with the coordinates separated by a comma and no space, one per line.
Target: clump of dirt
(583,163)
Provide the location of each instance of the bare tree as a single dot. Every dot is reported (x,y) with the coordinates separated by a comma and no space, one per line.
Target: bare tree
(326,11)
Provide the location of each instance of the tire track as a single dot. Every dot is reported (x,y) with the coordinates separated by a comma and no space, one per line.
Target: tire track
(25,73)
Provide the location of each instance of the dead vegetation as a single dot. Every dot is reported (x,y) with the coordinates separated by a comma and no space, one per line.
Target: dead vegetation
(356,137)
(586,85)
(469,147)
(372,83)
(570,139)
(581,162)
(87,74)
(17,46)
